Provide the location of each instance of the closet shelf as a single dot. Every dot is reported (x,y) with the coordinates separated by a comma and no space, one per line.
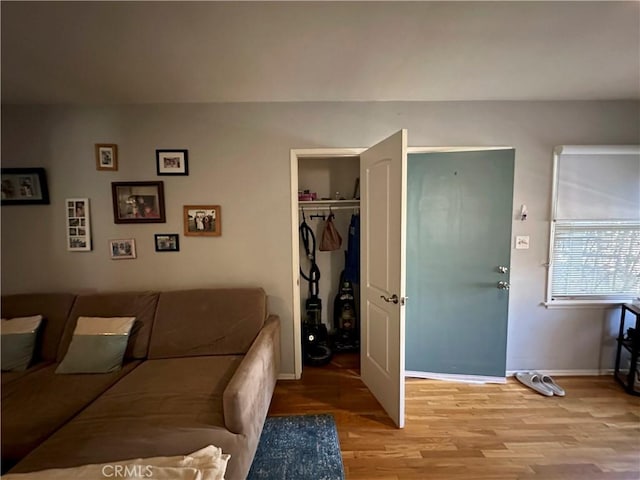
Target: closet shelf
(326,204)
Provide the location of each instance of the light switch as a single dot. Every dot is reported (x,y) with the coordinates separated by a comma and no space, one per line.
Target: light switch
(522,242)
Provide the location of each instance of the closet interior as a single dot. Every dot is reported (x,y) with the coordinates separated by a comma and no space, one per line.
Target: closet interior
(328,222)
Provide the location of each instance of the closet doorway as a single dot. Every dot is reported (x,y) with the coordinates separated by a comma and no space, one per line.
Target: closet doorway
(325,183)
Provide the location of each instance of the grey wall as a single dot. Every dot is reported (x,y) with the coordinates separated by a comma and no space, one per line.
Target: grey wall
(239,158)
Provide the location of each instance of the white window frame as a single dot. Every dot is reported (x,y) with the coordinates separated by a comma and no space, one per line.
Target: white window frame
(578,149)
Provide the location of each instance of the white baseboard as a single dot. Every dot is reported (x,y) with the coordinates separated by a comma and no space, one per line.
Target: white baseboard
(567,373)
(483,379)
(451,377)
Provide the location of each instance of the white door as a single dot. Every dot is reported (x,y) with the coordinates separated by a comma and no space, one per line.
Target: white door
(383,180)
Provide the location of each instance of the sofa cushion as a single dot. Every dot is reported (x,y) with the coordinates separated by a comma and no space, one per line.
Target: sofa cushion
(18,341)
(54,307)
(141,305)
(8,377)
(164,407)
(36,405)
(207,322)
(97,346)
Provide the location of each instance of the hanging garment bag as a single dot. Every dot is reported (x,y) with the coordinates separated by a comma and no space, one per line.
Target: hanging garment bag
(331,239)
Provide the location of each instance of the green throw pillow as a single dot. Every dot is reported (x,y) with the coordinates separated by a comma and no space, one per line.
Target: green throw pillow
(97,346)
(18,342)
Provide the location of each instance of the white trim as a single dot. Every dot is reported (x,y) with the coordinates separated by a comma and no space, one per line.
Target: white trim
(552,226)
(350,152)
(442,376)
(411,150)
(568,373)
(404,166)
(597,150)
(584,303)
(325,152)
(295,266)
(451,377)
(481,379)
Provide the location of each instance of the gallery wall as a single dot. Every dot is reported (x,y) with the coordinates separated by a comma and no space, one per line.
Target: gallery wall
(240,159)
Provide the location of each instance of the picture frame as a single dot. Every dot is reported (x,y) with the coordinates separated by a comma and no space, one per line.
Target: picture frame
(202,220)
(107,156)
(138,202)
(78,224)
(24,186)
(122,249)
(167,242)
(172,162)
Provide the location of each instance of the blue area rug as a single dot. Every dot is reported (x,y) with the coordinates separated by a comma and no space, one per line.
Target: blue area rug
(301,447)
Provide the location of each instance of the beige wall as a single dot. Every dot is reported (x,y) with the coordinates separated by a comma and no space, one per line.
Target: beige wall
(239,158)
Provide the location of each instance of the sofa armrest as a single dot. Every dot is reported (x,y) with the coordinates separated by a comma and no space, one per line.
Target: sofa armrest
(248,395)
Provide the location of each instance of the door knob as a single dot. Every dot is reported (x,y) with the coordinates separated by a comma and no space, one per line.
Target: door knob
(502,269)
(503,286)
(392,299)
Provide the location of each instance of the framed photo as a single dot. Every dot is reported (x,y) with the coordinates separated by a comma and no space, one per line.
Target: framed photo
(167,242)
(138,202)
(24,186)
(172,162)
(107,156)
(122,249)
(202,220)
(78,224)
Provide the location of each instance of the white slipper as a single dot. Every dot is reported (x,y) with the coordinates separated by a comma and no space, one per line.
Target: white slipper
(534,381)
(549,382)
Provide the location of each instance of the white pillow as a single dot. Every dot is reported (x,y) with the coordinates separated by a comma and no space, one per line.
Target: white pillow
(18,341)
(98,345)
(20,324)
(104,325)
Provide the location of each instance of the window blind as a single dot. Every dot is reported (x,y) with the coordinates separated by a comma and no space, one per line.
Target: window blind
(596,261)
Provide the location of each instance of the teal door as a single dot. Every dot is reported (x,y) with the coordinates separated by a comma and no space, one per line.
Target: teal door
(459,214)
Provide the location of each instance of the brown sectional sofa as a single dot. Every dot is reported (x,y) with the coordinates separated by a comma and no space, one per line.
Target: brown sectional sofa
(200,369)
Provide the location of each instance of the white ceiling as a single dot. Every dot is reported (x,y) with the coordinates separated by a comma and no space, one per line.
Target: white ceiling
(156,52)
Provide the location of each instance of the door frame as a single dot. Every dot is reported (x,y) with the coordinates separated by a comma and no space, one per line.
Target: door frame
(300,153)
(457,377)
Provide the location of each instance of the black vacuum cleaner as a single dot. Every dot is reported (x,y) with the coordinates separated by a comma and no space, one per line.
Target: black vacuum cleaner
(345,319)
(315,338)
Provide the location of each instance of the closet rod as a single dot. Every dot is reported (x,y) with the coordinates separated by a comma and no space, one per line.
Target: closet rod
(327,208)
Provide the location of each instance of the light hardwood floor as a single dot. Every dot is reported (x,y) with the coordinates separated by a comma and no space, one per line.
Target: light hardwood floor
(466,432)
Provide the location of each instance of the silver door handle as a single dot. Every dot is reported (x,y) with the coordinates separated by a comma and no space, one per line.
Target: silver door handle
(392,299)
(503,286)
(502,269)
